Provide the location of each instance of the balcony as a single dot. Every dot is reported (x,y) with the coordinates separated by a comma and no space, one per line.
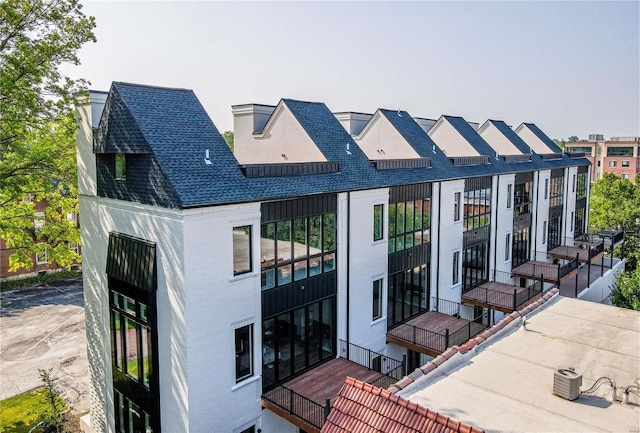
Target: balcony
(305,400)
(591,249)
(502,293)
(432,332)
(554,273)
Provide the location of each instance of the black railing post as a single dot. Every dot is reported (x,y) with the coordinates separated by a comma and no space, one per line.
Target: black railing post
(577,273)
(290,401)
(602,265)
(541,283)
(414,334)
(558,276)
(589,273)
(446,338)
(404,364)
(515,299)
(489,315)
(327,408)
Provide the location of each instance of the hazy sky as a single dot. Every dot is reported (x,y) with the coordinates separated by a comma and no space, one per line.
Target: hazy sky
(573,68)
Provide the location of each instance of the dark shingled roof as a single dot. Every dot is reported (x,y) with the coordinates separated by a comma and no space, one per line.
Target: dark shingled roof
(361,407)
(175,128)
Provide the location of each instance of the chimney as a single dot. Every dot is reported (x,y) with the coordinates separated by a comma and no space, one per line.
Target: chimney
(353,122)
(88,115)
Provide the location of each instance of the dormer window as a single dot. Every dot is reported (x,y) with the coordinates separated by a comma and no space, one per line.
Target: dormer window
(121,167)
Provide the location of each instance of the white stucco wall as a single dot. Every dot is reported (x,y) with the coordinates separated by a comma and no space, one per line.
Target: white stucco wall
(216,303)
(381,140)
(282,134)
(449,140)
(449,234)
(502,222)
(368,262)
(541,206)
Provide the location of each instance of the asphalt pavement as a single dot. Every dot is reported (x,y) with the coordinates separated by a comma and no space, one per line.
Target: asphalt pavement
(43,327)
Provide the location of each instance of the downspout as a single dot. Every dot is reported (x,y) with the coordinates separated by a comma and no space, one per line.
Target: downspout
(439,229)
(348,265)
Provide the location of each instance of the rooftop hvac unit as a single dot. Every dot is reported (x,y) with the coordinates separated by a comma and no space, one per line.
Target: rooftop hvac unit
(566,383)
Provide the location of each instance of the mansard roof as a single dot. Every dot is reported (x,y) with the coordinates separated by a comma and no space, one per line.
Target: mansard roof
(172,128)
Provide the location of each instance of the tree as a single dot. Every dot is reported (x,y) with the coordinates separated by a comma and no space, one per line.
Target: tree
(228,137)
(573,139)
(37,126)
(626,291)
(53,416)
(560,143)
(615,205)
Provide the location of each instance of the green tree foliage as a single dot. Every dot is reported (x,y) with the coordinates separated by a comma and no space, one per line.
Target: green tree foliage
(53,415)
(560,143)
(615,205)
(37,127)
(228,137)
(626,293)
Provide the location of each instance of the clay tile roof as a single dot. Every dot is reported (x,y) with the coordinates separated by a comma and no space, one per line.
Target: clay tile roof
(361,407)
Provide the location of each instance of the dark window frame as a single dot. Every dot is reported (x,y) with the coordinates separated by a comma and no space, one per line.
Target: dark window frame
(377,296)
(408,229)
(378,222)
(244,353)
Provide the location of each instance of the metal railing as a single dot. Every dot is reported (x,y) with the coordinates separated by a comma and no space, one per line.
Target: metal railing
(371,360)
(297,404)
(437,341)
(500,298)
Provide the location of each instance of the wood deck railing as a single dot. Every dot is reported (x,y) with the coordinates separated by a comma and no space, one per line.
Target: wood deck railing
(297,404)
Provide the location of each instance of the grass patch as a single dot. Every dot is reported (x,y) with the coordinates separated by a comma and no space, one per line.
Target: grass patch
(20,413)
(14,284)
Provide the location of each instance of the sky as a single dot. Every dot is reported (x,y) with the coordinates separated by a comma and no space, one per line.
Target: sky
(573,68)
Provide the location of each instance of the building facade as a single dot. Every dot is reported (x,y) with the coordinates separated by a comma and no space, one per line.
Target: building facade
(218,285)
(618,155)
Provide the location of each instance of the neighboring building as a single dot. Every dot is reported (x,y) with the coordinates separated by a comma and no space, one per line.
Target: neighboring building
(512,377)
(41,263)
(328,246)
(619,155)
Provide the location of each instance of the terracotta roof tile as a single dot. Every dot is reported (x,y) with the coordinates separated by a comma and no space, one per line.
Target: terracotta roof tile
(353,412)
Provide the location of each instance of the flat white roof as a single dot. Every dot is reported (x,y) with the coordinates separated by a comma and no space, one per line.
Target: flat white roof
(506,384)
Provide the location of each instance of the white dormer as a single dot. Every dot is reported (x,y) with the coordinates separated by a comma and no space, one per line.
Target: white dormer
(452,143)
(532,140)
(497,140)
(265,134)
(379,139)
(352,122)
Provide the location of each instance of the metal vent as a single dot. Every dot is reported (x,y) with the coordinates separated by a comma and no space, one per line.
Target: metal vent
(566,383)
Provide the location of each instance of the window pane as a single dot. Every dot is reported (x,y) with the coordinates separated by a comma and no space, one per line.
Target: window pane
(327,328)
(392,220)
(241,250)
(315,240)
(267,245)
(146,359)
(377,222)
(243,352)
(314,333)
(118,333)
(329,232)
(400,214)
(268,278)
(121,168)
(284,274)
(300,238)
(417,214)
(329,262)
(315,265)
(283,234)
(131,347)
(409,216)
(300,270)
(377,299)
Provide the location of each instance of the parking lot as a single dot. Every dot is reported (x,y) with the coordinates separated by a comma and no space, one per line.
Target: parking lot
(43,327)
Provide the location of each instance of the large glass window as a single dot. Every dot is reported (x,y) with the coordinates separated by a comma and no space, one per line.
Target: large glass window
(456,206)
(298,339)
(557,191)
(241,250)
(579,223)
(477,208)
(507,247)
(377,299)
(522,199)
(407,294)
(244,352)
(475,266)
(456,268)
(509,191)
(132,360)
(554,237)
(120,166)
(378,215)
(520,248)
(409,224)
(619,151)
(581,187)
(295,249)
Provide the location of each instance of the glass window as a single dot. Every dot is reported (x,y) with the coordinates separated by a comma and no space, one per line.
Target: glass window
(251,429)
(456,265)
(625,175)
(619,151)
(241,250)
(509,188)
(38,221)
(613,163)
(377,299)
(507,247)
(41,256)
(456,207)
(544,232)
(573,188)
(377,221)
(121,167)
(408,224)
(477,208)
(546,189)
(244,362)
(625,163)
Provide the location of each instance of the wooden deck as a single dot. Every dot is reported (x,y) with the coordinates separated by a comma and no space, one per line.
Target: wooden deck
(533,269)
(324,381)
(426,332)
(498,296)
(570,253)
